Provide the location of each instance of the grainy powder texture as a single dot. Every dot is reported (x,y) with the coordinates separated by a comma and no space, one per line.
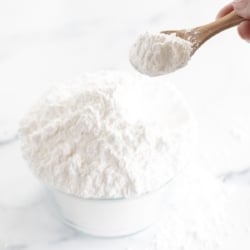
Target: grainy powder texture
(108,135)
(202,214)
(158,54)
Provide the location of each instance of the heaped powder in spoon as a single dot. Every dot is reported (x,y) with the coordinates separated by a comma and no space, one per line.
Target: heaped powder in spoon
(158,54)
(109,135)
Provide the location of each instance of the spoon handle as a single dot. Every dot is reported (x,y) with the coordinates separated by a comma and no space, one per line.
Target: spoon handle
(211,29)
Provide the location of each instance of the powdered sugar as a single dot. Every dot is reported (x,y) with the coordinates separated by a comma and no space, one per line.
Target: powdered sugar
(109,135)
(157,54)
(202,214)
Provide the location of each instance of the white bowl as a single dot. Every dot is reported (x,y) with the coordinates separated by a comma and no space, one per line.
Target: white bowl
(109,217)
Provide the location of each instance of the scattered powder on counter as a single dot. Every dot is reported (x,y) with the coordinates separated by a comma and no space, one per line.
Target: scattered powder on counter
(110,134)
(158,54)
(203,214)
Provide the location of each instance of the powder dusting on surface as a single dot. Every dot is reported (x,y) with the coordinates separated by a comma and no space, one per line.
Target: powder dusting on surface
(202,214)
(109,135)
(158,54)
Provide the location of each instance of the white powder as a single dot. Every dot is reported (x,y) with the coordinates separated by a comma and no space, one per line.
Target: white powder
(202,214)
(158,54)
(109,135)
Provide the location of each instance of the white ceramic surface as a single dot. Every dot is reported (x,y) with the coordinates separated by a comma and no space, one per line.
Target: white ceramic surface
(109,217)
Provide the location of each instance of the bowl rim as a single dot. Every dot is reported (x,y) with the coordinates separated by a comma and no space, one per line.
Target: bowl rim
(53,189)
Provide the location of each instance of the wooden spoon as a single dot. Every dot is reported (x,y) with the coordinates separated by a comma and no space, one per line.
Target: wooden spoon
(197,36)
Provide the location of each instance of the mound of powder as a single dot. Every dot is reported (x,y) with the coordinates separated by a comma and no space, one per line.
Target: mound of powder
(108,135)
(158,54)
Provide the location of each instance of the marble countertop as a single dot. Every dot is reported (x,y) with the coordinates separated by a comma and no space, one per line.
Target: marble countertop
(51,41)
